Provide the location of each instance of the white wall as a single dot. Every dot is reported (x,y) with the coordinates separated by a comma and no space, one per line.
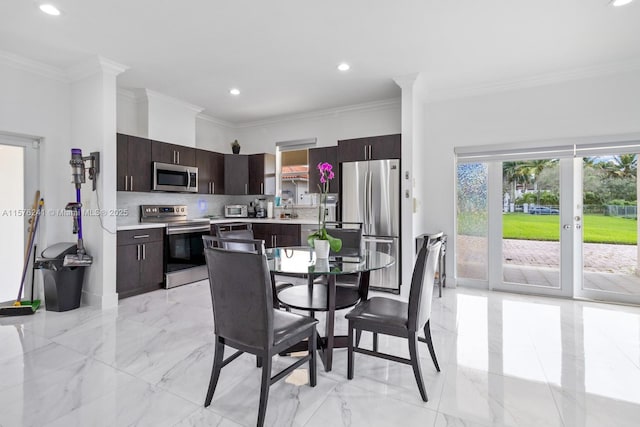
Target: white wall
(35,101)
(604,105)
(376,119)
(166,119)
(214,135)
(127,113)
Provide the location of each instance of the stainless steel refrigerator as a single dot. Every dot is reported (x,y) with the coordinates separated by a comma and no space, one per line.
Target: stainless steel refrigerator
(370,194)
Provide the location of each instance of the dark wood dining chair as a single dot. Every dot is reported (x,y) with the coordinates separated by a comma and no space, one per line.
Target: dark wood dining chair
(231,232)
(388,316)
(244,318)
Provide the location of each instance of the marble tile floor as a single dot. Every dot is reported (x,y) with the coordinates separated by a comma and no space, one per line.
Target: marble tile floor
(507,360)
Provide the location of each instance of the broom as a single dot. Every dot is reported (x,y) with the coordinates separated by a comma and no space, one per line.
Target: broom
(21,308)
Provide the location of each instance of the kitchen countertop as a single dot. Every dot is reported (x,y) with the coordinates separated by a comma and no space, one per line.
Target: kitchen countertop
(301,221)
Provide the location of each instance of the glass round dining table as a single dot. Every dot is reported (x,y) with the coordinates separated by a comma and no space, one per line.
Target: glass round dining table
(301,260)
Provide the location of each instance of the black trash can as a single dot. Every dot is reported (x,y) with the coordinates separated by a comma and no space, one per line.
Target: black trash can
(62,285)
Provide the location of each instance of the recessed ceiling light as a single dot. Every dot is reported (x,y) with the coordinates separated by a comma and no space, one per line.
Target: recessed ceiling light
(344,67)
(50,9)
(234,91)
(618,3)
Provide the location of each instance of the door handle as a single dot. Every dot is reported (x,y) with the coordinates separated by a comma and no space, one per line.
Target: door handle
(144,252)
(178,156)
(246,189)
(262,188)
(140,236)
(137,252)
(126,183)
(131,183)
(213,187)
(369,152)
(365,152)
(567,226)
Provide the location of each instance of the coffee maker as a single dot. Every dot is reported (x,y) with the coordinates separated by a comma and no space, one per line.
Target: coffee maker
(261,208)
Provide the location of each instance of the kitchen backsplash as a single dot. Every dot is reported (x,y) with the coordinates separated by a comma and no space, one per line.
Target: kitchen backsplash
(198,205)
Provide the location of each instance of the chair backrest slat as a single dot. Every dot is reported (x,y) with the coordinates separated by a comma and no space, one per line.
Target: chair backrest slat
(421,292)
(351,235)
(241,296)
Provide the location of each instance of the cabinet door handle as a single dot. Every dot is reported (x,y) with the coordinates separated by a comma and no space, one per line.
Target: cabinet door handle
(144,252)
(140,236)
(370,152)
(275,241)
(262,188)
(246,189)
(131,183)
(178,156)
(126,183)
(137,252)
(213,187)
(365,152)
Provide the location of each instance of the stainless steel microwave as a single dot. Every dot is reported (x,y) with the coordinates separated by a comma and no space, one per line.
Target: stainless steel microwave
(236,211)
(179,178)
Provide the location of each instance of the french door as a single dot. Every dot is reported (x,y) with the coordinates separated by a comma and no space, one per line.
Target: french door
(559,221)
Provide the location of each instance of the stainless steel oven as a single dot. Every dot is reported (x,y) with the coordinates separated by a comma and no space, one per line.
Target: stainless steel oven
(184,260)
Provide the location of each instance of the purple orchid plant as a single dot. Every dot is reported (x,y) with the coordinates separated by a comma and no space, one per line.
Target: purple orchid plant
(326,174)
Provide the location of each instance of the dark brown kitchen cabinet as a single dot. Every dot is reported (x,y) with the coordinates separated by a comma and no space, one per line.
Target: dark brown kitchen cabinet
(236,174)
(133,168)
(323,154)
(262,174)
(370,148)
(210,172)
(139,265)
(277,235)
(174,154)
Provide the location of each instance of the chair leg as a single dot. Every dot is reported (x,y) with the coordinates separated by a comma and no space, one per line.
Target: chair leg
(350,351)
(264,389)
(375,341)
(258,362)
(415,364)
(215,370)
(358,336)
(313,376)
(427,336)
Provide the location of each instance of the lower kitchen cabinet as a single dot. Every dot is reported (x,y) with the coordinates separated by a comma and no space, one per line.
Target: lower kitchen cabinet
(277,235)
(140,266)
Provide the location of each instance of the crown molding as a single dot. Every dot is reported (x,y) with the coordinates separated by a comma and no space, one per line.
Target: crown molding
(93,66)
(150,94)
(216,121)
(564,76)
(369,106)
(32,66)
(126,93)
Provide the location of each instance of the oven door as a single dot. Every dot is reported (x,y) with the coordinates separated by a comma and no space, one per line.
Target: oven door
(184,257)
(168,177)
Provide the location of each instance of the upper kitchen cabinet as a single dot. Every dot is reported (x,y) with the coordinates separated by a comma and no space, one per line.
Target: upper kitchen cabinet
(262,174)
(174,154)
(370,148)
(133,163)
(210,172)
(328,155)
(236,174)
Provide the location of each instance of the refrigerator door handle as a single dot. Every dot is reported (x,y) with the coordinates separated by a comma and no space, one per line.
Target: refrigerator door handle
(370,204)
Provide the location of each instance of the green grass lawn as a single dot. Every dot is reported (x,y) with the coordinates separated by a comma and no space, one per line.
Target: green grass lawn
(597,228)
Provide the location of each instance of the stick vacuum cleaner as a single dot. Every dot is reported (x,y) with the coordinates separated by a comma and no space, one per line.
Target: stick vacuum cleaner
(80,258)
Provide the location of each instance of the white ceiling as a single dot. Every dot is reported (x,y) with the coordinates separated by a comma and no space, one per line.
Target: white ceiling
(282,54)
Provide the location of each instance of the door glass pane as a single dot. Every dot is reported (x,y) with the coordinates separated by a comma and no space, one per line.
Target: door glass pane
(531,222)
(610,224)
(472,252)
